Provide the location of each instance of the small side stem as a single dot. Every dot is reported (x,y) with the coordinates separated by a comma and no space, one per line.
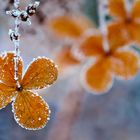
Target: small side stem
(102,23)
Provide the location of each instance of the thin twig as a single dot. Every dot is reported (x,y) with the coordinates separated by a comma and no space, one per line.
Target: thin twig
(20,16)
(128,6)
(16,44)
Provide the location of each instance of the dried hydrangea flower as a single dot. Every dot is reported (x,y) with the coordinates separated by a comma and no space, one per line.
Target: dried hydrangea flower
(126,23)
(98,75)
(71,28)
(30,110)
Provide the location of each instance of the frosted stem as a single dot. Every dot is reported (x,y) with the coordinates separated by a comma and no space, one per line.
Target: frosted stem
(16,3)
(16,44)
(24,16)
(128,6)
(102,23)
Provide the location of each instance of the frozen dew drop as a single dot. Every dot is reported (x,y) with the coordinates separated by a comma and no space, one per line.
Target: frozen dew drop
(48,119)
(39,119)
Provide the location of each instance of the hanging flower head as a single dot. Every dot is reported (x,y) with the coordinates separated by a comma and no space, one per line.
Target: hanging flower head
(98,75)
(126,23)
(30,110)
(70,28)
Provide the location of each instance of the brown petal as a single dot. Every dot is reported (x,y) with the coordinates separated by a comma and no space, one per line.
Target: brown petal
(41,73)
(117,8)
(30,110)
(70,26)
(125,64)
(6,95)
(8,70)
(98,77)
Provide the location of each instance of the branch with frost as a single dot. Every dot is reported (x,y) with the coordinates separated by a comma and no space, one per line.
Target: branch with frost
(20,16)
(128,6)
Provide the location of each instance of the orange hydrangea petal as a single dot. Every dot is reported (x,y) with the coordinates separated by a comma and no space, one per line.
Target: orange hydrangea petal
(30,110)
(66,59)
(136,10)
(117,8)
(134,31)
(125,64)
(118,35)
(91,46)
(1,64)
(41,73)
(6,95)
(68,26)
(98,77)
(8,71)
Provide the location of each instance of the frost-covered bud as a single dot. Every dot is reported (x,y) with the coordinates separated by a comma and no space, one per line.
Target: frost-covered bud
(24,16)
(31,9)
(13,35)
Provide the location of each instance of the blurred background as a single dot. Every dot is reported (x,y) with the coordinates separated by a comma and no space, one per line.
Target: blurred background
(76,113)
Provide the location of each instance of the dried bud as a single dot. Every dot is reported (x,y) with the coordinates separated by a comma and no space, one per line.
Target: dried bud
(24,16)
(13,35)
(31,9)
